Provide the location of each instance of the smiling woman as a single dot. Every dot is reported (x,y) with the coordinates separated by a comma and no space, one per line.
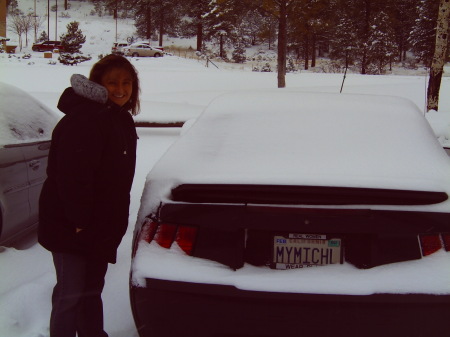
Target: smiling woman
(85,200)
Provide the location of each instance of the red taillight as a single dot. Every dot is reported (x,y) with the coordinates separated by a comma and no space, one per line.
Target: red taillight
(166,234)
(148,230)
(186,237)
(430,243)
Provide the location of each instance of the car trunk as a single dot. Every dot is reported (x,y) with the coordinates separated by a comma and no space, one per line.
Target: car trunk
(237,224)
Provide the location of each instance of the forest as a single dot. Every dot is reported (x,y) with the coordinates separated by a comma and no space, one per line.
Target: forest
(368,35)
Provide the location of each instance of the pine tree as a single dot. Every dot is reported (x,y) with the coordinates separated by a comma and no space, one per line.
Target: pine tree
(344,46)
(156,15)
(403,14)
(13,8)
(43,36)
(308,28)
(238,54)
(144,19)
(381,42)
(73,40)
(201,19)
(423,36)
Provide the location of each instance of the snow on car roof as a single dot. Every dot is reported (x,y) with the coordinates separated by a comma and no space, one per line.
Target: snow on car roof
(23,118)
(281,137)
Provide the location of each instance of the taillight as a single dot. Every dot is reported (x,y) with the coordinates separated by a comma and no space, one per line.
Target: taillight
(166,234)
(431,243)
(148,230)
(186,237)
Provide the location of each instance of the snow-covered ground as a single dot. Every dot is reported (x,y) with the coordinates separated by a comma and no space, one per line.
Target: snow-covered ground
(173,89)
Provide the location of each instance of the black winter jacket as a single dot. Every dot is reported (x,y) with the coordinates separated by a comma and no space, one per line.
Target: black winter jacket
(90,172)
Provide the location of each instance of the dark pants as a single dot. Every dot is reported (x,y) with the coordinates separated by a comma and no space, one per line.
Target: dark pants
(77,305)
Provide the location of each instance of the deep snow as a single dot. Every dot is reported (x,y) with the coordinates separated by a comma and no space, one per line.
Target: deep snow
(173,89)
(169,85)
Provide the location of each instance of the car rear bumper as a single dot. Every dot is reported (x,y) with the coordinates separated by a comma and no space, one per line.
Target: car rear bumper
(174,309)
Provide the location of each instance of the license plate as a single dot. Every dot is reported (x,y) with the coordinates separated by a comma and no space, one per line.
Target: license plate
(305,250)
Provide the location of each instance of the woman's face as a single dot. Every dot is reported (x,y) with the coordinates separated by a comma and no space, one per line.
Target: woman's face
(119,84)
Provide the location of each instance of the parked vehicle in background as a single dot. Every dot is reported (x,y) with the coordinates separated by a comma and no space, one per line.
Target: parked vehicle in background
(26,126)
(282,213)
(47,46)
(118,48)
(142,49)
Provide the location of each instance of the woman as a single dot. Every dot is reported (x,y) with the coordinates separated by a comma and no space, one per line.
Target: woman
(84,204)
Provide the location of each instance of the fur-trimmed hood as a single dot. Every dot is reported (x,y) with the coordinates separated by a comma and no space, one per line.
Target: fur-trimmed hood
(81,87)
(88,89)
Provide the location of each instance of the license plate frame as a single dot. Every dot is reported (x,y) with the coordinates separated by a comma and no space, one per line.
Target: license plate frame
(300,250)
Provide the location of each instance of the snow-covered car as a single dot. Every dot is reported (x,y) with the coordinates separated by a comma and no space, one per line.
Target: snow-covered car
(25,132)
(47,46)
(142,49)
(118,48)
(281,213)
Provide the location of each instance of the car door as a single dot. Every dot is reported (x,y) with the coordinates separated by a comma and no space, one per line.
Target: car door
(15,207)
(147,51)
(36,157)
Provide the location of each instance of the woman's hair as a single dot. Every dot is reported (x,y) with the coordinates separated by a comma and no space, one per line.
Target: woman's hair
(110,62)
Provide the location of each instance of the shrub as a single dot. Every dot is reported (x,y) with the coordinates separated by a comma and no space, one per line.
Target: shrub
(72,59)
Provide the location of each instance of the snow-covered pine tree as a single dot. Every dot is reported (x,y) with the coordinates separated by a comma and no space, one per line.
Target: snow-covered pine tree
(73,40)
(381,45)
(344,46)
(423,36)
(238,54)
(43,36)
(403,14)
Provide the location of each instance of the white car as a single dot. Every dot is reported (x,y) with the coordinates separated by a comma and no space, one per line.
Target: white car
(142,49)
(26,127)
(118,47)
(282,213)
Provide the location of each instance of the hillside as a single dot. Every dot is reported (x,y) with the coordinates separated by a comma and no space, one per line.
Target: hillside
(100,31)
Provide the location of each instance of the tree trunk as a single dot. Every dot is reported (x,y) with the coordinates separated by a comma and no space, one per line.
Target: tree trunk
(199,36)
(282,43)
(221,46)
(313,51)
(440,51)
(306,51)
(149,22)
(367,9)
(161,27)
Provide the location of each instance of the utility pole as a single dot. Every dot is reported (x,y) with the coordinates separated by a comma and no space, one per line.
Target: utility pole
(35,18)
(56,20)
(48,19)
(115,16)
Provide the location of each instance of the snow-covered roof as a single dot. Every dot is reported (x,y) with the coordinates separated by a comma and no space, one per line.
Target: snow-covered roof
(280,137)
(23,118)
